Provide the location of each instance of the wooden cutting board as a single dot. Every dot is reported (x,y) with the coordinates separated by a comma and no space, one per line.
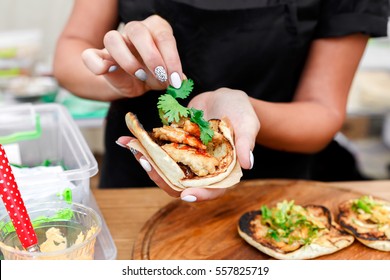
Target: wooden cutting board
(208,230)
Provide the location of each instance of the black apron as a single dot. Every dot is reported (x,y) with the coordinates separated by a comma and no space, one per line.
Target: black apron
(258,46)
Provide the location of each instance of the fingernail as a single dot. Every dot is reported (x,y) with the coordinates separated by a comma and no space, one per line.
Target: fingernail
(251,159)
(189,198)
(161,74)
(141,75)
(120,144)
(112,68)
(175,80)
(133,151)
(145,164)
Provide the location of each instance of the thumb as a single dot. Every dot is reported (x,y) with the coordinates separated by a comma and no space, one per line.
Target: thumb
(245,140)
(244,148)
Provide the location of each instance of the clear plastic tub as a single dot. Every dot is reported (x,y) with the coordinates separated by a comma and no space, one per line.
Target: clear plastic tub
(46,134)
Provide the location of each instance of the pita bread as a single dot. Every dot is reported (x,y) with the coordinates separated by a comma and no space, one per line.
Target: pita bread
(371,229)
(227,175)
(329,240)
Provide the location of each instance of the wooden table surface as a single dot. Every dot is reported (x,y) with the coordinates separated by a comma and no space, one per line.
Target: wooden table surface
(127,210)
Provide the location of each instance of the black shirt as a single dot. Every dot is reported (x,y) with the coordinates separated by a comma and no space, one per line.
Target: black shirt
(258,46)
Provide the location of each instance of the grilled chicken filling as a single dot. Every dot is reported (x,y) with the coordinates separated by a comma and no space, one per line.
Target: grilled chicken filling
(182,143)
(200,163)
(177,135)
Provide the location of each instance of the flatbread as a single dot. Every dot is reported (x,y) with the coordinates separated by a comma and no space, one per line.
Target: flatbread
(171,172)
(330,241)
(368,230)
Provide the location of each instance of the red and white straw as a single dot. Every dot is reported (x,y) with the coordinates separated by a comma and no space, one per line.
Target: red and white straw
(14,205)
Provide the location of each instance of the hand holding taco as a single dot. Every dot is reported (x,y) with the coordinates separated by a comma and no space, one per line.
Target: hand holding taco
(188,151)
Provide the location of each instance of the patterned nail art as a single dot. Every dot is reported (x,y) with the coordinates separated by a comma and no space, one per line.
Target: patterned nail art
(133,151)
(161,74)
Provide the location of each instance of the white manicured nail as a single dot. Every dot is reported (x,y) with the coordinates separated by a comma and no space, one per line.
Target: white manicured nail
(145,164)
(175,80)
(251,159)
(161,74)
(112,68)
(141,75)
(120,144)
(189,198)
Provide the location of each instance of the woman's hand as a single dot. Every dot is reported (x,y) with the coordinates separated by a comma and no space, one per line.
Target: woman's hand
(189,195)
(224,102)
(142,57)
(236,106)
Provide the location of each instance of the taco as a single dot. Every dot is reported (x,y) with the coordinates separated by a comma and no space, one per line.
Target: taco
(368,219)
(177,153)
(290,231)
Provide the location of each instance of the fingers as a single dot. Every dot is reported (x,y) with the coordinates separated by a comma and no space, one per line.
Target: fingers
(246,126)
(166,44)
(245,137)
(140,36)
(188,195)
(201,194)
(236,106)
(97,61)
(154,175)
(123,141)
(146,49)
(120,52)
(244,153)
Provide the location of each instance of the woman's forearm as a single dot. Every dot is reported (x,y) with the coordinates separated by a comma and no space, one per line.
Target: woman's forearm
(318,110)
(85,29)
(73,75)
(304,127)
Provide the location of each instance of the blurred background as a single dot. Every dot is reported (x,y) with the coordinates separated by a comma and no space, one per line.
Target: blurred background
(28,34)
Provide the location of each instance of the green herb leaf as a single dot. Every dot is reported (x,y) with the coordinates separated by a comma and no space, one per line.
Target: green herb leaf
(364,203)
(364,206)
(163,119)
(265,212)
(172,109)
(284,219)
(274,234)
(206,133)
(183,91)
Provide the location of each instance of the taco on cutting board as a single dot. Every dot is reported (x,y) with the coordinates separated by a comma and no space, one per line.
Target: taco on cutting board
(368,219)
(289,231)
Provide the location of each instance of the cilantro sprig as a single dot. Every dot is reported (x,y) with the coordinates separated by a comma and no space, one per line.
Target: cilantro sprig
(170,110)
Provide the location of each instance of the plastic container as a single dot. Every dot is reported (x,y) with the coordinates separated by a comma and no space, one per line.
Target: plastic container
(65,231)
(45,134)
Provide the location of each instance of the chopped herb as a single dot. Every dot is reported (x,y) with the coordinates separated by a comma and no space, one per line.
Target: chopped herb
(183,91)
(170,110)
(274,234)
(286,218)
(266,212)
(206,133)
(364,203)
